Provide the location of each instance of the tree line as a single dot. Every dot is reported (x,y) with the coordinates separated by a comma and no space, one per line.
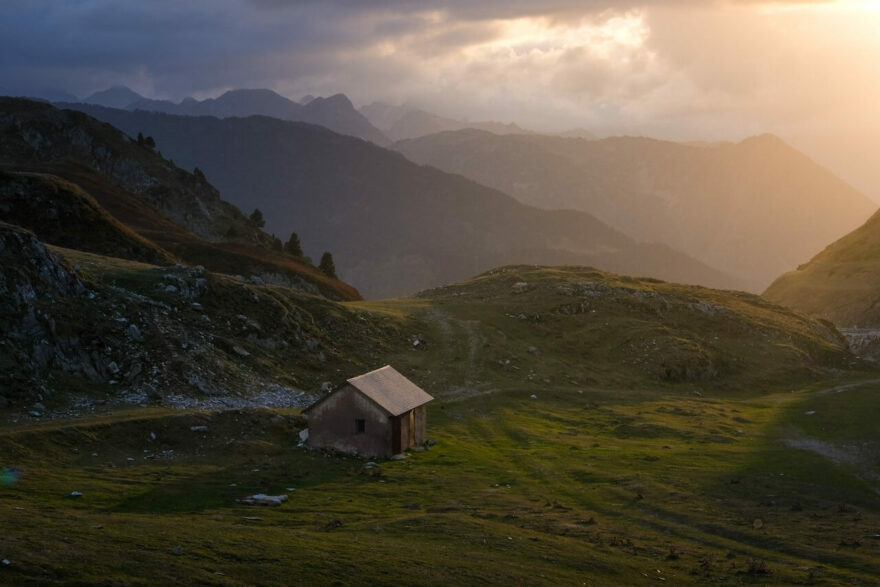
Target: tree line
(294,248)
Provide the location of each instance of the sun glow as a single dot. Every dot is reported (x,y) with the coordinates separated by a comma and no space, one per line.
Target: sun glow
(606,37)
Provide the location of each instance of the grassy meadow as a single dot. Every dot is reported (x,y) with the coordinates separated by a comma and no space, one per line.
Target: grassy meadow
(589,429)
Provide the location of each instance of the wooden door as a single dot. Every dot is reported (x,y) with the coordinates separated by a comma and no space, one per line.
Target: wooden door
(395,435)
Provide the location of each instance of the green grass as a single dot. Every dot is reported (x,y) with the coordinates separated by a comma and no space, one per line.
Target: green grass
(666,421)
(570,487)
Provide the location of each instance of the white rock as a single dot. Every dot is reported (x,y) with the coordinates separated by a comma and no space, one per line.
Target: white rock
(5,562)
(398,457)
(304,434)
(75,494)
(198,428)
(263,499)
(533,396)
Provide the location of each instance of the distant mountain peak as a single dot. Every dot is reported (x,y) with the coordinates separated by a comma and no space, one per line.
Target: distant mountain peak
(336,100)
(114,97)
(764,140)
(251,92)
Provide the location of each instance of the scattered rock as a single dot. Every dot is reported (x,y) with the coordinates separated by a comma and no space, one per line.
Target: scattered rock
(75,494)
(398,457)
(240,351)
(39,407)
(134,333)
(533,396)
(263,499)
(326,387)
(520,287)
(534,350)
(304,435)
(758,524)
(198,428)
(35,414)
(151,392)
(5,562)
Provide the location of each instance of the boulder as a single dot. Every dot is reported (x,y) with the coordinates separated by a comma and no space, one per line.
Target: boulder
(263,499)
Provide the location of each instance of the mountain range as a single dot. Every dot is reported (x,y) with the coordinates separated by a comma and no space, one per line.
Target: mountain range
(335,112)
(753,209)
(404,122)
(394,227)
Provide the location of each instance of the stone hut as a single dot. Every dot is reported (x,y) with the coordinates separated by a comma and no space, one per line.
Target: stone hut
(380,413)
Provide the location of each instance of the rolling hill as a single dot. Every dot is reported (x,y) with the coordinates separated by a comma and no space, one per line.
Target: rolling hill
(841,283)
(586,426)
(753,209)
(61,213)
(394,227)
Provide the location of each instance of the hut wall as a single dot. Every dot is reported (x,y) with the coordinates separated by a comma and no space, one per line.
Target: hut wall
(333,424)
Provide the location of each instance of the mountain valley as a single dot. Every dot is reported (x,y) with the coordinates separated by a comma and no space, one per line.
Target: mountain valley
(754,209)
(608,406)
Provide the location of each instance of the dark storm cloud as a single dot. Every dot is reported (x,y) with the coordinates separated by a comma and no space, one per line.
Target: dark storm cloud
(175,48)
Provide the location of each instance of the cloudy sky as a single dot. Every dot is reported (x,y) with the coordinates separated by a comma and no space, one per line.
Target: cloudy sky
(677,69)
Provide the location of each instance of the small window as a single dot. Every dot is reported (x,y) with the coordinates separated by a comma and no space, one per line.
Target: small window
(360,426)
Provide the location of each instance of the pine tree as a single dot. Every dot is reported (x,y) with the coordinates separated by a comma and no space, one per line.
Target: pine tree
(257,218)
(327,266)
(293,246)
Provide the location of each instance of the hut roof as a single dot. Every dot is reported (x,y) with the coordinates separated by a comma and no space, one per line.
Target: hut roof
(390,390)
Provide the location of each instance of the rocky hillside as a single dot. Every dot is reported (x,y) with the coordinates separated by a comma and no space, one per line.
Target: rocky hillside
(80,328)
(66,201)
(83,329)
(841,283)
(753,209)
(36,133)
(394,227)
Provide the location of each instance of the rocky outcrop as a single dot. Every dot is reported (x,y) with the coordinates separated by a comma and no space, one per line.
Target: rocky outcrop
(176,335)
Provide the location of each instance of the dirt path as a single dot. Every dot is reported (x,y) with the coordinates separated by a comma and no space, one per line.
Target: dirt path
(859,457)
